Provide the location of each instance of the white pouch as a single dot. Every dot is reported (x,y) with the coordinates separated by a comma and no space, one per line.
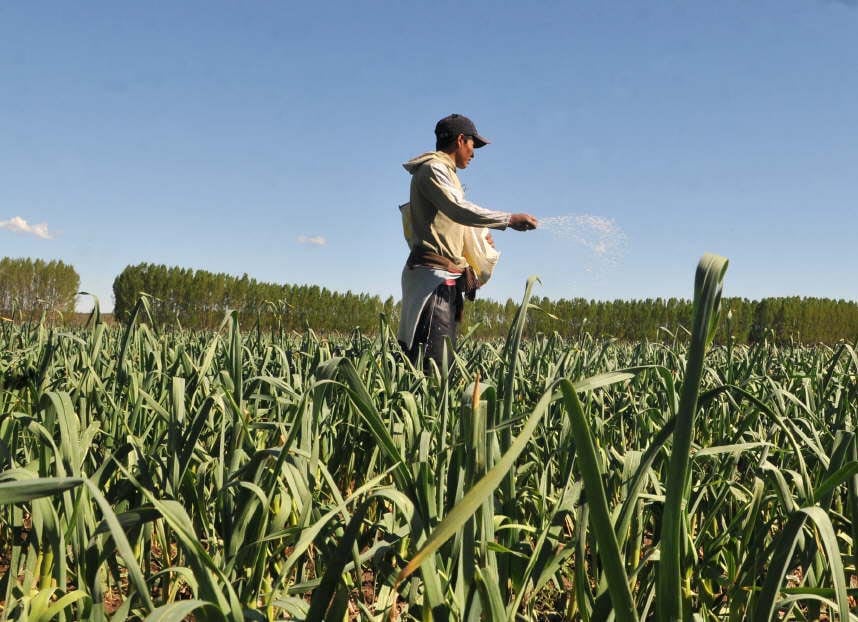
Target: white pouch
(481,255)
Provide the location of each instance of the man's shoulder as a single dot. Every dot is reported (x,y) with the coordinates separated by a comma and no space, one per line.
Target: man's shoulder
(438,169)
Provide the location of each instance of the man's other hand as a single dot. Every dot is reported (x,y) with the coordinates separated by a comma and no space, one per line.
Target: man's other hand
(522,222)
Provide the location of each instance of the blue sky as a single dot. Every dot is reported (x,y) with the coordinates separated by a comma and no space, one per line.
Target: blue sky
(236,137)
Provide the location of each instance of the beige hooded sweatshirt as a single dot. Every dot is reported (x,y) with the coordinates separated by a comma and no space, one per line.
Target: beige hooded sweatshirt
(438,215)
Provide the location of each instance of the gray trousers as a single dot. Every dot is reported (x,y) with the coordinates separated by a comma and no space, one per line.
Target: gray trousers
(437,323)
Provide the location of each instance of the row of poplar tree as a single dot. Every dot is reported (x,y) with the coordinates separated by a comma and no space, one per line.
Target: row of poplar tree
(197,299)
(31,287)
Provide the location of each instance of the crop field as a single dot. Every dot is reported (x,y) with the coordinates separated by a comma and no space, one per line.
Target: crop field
(158,474)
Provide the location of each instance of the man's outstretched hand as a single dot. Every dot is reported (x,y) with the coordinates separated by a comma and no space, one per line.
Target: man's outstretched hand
(522,222)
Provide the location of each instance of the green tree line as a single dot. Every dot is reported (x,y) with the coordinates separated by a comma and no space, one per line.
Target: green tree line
(31,287)
(809,320)
(199,299)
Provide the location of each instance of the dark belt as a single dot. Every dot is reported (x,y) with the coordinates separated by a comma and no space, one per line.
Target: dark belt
(467,284)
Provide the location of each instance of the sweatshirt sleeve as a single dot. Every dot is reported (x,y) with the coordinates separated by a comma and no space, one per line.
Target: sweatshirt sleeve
(442,192)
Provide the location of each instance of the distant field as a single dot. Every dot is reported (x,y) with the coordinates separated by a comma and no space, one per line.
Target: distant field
(246,476)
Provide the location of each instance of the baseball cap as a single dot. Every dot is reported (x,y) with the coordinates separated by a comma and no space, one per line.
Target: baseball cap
(456,124)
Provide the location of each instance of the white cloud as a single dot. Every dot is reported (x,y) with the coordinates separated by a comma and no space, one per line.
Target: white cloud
(316,239)
(17,224)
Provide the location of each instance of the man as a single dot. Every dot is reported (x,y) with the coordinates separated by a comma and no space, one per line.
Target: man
(436,276)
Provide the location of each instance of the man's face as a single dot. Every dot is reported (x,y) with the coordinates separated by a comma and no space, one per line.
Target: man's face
(464,151)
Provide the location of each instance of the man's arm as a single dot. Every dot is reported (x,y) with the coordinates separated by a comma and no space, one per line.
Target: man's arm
(437,186)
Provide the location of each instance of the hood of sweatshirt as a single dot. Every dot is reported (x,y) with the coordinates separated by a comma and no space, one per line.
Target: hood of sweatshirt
(414,163)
